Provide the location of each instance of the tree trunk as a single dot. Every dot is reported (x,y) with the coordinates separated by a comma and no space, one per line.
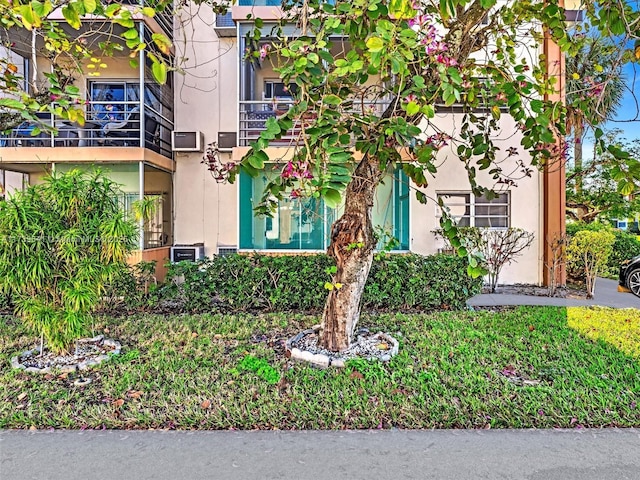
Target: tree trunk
(352,246)
(578,133)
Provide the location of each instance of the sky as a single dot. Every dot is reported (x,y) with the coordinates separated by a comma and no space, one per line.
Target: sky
(627,117)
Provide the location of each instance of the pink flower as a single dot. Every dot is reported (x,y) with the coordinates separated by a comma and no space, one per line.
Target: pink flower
(264,51)
(287,171)
(447,61)
(295,193)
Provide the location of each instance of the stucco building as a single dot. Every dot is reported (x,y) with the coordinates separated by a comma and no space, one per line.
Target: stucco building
(221,97)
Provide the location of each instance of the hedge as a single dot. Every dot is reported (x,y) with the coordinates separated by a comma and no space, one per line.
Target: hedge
(257,282)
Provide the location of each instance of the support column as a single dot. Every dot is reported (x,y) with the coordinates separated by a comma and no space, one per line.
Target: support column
(554,177)
(141,197)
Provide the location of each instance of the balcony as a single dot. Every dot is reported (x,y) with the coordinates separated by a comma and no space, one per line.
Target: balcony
(113,124)
(259,3)
(225,26)
(253,116)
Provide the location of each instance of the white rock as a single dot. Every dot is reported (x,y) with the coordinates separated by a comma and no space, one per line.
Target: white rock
(337,362)
(306,356)
(320,360)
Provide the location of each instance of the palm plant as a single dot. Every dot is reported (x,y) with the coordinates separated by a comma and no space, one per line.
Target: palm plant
(60,243)
(594,90)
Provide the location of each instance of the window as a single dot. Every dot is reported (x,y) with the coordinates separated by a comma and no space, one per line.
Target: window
(574,15)
(469,210)
(305,223)
(276,89)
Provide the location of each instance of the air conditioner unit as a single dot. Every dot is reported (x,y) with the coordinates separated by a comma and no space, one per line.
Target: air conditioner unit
(226,251)
(227,140)
(190,253)
(187,141)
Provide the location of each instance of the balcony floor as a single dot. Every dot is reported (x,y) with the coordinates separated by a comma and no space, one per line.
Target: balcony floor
(31,159)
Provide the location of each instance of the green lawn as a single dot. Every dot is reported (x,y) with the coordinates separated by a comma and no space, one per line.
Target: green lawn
(520,368)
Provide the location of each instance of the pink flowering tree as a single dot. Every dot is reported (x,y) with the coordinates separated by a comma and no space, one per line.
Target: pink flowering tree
(371,76)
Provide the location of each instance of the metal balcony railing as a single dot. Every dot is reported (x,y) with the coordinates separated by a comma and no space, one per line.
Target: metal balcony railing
(253,116)
(107,124)
(259,3)
(225,20)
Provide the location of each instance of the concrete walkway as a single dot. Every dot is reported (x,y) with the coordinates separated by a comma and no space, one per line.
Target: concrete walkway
(609,454)
(607,295)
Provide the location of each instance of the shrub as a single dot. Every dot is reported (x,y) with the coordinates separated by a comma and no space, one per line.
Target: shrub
(590,249)
(297,282)
(418,282)
(625,246)
(60,243)
(130,288)
(497,246)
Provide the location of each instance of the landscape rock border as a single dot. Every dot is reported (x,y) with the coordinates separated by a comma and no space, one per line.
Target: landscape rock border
(82,362)
(296,350)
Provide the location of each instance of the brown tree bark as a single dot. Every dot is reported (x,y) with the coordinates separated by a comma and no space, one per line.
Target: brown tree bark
(352,247)
(578,133)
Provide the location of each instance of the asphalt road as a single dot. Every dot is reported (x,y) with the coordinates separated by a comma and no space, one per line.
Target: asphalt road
(608,454)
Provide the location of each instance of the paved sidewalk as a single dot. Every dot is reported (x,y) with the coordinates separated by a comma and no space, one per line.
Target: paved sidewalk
(608,454)
(607,295)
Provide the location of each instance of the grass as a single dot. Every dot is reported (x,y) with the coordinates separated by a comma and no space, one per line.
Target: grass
(512,369)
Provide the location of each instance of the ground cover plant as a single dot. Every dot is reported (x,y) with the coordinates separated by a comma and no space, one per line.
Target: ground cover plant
(514,368)
(620,328)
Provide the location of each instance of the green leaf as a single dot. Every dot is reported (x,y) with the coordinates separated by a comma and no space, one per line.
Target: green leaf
(413,108)
(257,159)
(536,106)
(626,188)
(89,5)
(130,34)
(331,100)
(339,170)
(332,198)
(340,157)
(375,44)
(402,9)
(428,111)
(12,103)
(272,127)
(148,12)
(71,16)
(29,18)
(159,71)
